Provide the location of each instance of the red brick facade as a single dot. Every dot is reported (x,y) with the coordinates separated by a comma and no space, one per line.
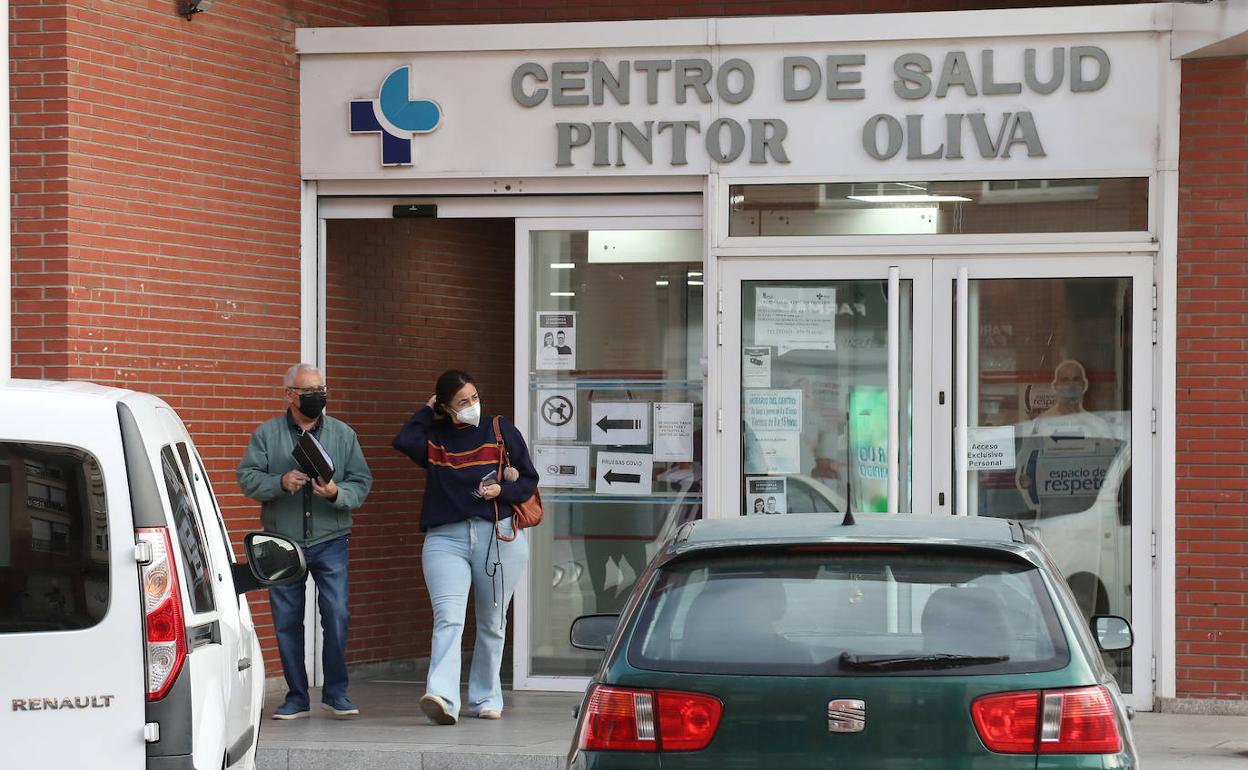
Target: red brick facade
(155,202)
(1212,451)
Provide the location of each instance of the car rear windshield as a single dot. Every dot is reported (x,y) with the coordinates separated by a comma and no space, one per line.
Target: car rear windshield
(53,539)
(849,612)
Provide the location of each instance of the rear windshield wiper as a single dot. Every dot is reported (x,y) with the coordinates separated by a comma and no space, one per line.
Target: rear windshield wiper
(860,662)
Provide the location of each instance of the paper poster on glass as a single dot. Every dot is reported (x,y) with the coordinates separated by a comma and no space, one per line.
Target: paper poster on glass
(556,340)
(673,432)
(555,416)
(868,446)
(562,466)
(772,430)
(756,367)
(620,423)
(766,494)
(990,448)
(623,473)
(795,318)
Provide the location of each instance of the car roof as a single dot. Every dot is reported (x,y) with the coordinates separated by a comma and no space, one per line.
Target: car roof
(34,395)
(866,528)
(79,388)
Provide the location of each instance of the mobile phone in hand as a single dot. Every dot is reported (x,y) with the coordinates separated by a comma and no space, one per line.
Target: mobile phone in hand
(486,480)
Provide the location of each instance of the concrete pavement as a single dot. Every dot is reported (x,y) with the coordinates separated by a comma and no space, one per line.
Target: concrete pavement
(392,734)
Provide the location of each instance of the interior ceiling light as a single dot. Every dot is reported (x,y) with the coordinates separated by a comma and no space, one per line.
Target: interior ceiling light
(562,265)
(907,198)
(898,192)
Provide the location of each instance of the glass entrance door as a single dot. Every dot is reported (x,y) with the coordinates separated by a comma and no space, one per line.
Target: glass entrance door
(1048,363)
(824,400)
(609,394)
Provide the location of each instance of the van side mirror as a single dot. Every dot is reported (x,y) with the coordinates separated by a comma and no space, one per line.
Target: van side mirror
(593,632)
(1112,633)
(272,560)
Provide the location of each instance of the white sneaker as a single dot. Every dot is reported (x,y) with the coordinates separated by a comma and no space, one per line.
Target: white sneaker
(489,714)
(436,709)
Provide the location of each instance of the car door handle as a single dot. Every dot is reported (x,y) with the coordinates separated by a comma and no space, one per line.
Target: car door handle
(244,664)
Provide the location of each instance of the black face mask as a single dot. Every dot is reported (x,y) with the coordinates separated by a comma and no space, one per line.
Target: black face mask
(312,404)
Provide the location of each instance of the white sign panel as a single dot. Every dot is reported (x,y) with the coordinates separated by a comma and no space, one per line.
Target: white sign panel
(673,432)
(556,414)
(795,318)
(620,473)
(990,449)
(756,367)
(766,494)
(373,109)
(556,341)
(562,466)
(622,423)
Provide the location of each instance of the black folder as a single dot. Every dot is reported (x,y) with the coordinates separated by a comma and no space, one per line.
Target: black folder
(313,459)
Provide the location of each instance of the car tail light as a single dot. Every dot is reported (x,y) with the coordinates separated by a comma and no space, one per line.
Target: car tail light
(165,627)
(618,719)
(1078,721)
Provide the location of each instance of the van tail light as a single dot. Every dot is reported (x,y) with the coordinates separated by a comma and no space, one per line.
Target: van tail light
(165,627)
(1078,721)
(618,719)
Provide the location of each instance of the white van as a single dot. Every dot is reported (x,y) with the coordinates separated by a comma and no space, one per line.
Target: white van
(125,637)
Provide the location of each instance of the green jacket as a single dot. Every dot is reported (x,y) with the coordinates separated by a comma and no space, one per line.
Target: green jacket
(269,457)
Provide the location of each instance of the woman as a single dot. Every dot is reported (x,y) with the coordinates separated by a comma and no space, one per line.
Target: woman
(455,444)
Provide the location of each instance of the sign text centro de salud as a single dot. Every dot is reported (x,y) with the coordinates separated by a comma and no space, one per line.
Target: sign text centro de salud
(838,78)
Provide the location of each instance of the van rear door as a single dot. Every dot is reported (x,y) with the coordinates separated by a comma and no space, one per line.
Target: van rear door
(72,690)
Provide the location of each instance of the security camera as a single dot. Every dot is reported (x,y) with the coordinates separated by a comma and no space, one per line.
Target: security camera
(192,7)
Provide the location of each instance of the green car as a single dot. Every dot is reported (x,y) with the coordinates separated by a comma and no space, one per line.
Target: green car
(899,642)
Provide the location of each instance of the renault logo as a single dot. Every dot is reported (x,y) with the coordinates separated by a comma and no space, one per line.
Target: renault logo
(847,715)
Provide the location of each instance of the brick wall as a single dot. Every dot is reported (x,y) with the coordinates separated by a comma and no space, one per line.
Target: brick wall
(1212,446)
(508,11)
(408,299)
(156,207)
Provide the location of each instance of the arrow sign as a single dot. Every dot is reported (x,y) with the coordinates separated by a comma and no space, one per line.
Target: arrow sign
(624,473)
(612,477)
(623,423)
(607,424)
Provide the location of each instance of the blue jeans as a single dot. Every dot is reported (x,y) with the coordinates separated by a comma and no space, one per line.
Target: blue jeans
(327,563)
(455,559)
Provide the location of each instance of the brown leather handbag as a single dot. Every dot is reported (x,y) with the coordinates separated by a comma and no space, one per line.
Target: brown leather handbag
(523,515)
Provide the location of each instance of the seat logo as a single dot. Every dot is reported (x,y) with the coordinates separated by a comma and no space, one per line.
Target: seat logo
(397,115)
(847,715)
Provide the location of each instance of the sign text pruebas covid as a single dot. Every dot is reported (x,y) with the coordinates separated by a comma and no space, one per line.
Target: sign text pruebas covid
(835,78)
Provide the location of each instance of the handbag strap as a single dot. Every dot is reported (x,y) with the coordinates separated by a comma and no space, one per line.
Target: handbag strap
(503,459)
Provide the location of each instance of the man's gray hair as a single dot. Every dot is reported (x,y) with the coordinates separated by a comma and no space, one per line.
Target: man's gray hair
(293,372)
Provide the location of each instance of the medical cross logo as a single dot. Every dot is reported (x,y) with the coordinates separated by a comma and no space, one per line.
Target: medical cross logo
(396,115)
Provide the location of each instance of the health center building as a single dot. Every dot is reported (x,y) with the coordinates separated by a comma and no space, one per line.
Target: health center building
(732,261)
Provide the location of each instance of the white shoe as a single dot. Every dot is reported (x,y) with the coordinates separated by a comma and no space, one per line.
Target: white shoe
(489,714)
(436,709)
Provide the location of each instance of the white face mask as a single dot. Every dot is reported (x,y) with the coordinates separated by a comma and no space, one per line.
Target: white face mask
(1073,392)
(470,415)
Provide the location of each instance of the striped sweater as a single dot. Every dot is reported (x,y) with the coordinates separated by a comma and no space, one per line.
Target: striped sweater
(455,459)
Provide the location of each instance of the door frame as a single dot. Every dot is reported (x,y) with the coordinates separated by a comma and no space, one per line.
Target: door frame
(735,270)
(1143,513)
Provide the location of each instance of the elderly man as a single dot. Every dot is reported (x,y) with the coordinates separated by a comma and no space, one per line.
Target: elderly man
(316,513)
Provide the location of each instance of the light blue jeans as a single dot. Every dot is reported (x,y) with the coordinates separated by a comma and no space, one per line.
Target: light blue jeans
(455,559)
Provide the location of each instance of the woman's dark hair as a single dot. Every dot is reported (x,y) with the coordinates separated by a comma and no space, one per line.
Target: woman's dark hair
(450,383)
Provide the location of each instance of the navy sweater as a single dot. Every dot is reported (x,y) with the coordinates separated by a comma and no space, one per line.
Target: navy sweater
(456,457)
